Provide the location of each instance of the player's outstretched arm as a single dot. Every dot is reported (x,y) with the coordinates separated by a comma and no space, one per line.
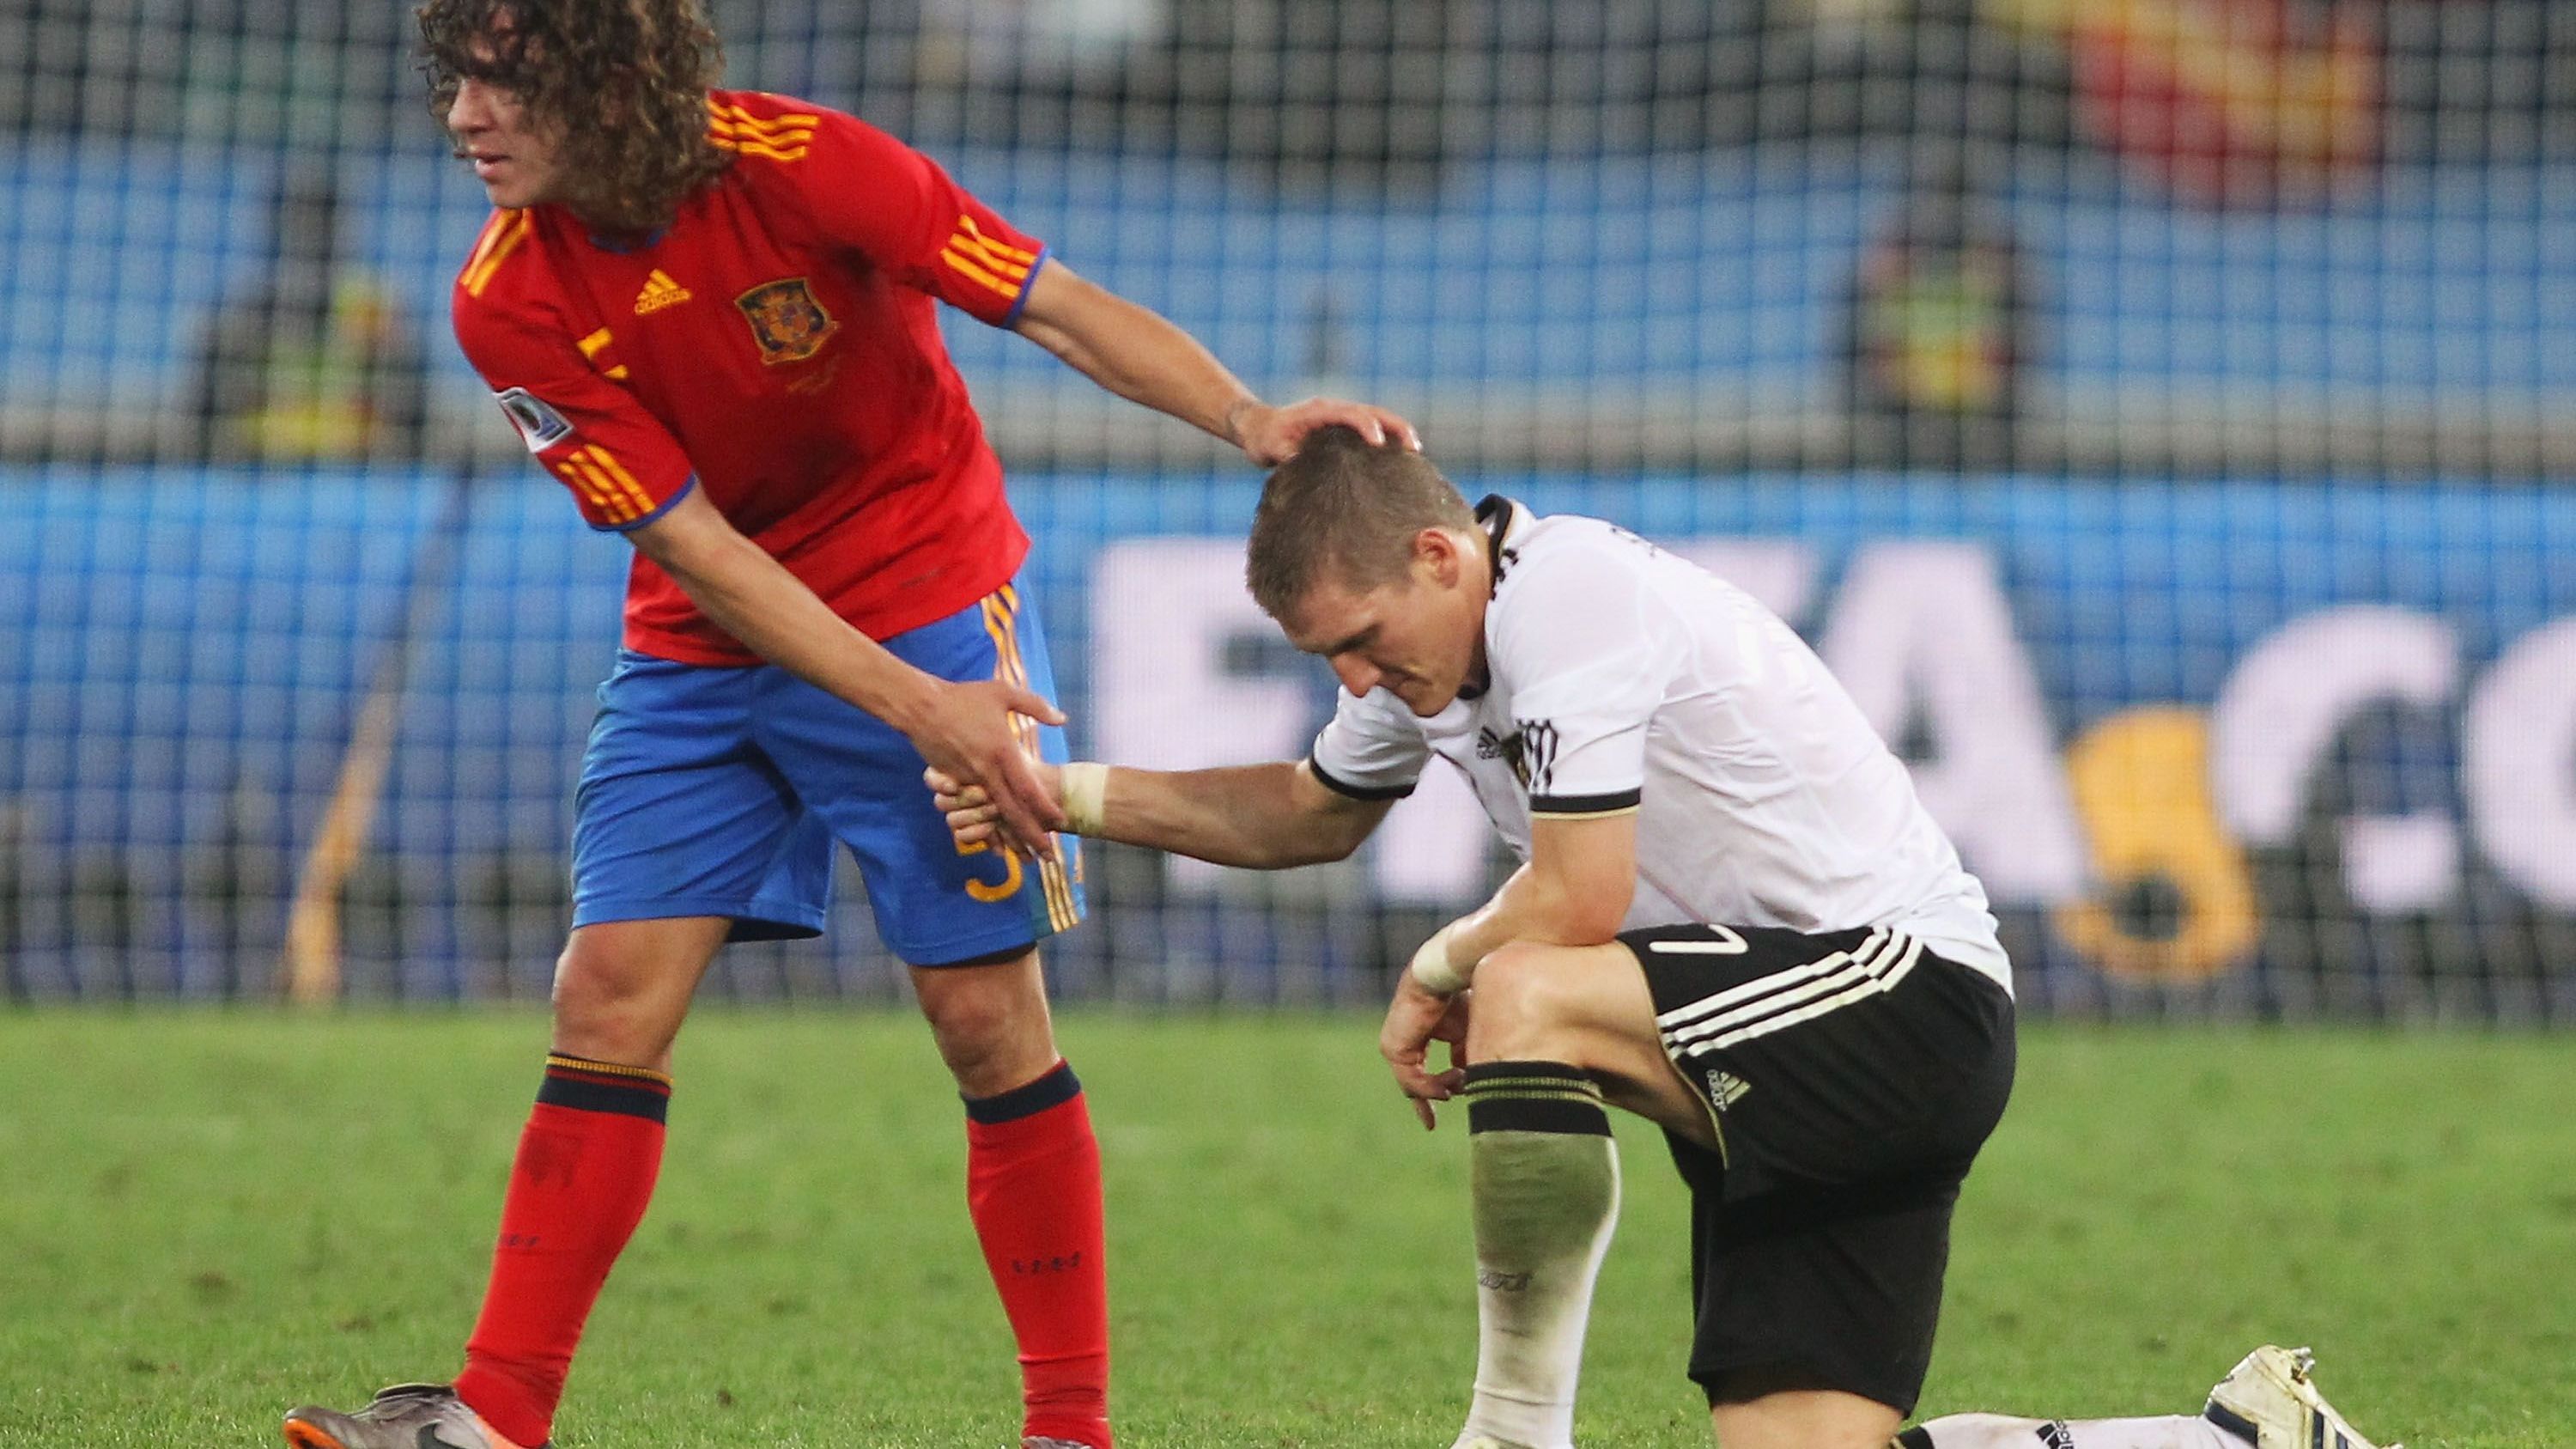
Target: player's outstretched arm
(961,729)
(1259,817)
(1138,354)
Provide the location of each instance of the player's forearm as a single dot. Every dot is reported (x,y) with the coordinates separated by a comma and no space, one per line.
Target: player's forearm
(1533,906)
(1134,352)
(1574,890)
(1148,360)
(1251,816)
(753,597)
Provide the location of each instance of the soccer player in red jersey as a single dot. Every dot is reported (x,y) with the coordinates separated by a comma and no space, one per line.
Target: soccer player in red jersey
(710,315)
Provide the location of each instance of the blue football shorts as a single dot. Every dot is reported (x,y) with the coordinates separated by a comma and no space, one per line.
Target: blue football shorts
(718,791)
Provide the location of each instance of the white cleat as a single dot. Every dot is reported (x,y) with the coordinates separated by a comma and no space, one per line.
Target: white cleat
(406,1416)
(2270,1402)
(1484,1441)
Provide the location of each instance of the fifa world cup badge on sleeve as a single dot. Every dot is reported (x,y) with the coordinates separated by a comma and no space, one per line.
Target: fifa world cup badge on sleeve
(540,426)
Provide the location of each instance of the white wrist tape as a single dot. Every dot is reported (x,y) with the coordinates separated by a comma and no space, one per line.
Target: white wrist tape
(1432,967)
(1086,795)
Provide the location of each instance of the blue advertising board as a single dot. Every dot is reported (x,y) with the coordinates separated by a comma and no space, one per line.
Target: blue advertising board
(2247,748)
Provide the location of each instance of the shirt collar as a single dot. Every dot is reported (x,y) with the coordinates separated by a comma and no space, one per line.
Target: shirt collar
(629,243)
(1501,518)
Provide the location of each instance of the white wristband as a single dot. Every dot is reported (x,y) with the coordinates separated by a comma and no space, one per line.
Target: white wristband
(1432,967)
(1086,795)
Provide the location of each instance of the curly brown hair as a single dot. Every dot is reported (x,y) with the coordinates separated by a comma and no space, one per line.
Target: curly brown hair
(622,82)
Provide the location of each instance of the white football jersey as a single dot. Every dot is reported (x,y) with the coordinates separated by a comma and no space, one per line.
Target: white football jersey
(1622,677)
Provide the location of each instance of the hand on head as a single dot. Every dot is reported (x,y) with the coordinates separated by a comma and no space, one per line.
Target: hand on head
(1270,435)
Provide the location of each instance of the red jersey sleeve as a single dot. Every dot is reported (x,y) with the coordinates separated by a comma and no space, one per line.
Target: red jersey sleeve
(893,205)
(621,465)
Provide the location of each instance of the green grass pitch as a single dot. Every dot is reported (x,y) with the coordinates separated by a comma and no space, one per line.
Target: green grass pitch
(207,1218)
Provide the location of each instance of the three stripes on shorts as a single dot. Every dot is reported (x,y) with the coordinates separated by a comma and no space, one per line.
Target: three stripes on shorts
(1784,998)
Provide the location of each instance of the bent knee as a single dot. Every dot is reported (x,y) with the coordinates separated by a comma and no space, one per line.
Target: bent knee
(1553,1003)
(1529,981)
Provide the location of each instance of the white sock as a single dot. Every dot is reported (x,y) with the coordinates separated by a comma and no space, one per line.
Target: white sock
(1546,1190)
(2000,1431)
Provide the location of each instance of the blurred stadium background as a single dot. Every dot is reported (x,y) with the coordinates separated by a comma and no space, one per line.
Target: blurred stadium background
(2160,412)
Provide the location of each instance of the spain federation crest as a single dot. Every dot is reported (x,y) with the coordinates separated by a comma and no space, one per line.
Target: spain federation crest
(786,320)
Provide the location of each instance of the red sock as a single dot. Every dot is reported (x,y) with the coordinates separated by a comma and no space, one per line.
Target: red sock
(584,1172)
(1033,1186)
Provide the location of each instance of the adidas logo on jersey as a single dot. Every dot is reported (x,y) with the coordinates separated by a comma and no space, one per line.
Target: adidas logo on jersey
(659,292)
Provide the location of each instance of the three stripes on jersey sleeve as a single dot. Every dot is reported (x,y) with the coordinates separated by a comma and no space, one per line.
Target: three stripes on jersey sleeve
(595,474)
(986,262)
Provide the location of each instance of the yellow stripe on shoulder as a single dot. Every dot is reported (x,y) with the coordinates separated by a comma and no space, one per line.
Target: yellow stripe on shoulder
(746,113)
(758,148)
(492,226)
(500,242)
(734,126)
(735,118)
(728,133)
(503,225)
(783,137)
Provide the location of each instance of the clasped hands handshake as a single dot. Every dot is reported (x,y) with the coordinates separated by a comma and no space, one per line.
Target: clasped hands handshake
(980,815)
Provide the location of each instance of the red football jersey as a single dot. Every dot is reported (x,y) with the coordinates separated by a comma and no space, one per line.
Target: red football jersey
(778,346)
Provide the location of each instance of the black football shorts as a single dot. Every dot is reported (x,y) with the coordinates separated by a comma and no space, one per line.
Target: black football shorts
(1851,1076)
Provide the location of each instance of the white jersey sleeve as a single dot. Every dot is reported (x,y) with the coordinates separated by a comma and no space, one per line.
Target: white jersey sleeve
(1370,749)
(1589,654)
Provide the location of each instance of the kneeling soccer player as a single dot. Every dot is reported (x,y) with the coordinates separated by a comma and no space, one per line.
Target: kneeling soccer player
(1733,918)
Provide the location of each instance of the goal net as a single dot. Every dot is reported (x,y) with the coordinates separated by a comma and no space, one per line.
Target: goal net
(2158,413)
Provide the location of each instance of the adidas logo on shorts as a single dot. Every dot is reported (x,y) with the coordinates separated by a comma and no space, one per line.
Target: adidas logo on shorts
(1725,1089)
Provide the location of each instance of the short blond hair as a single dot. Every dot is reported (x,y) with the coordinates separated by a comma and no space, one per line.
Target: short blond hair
(1344,510)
